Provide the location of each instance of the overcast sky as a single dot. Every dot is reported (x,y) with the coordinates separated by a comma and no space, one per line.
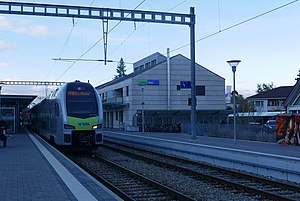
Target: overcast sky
(268,46)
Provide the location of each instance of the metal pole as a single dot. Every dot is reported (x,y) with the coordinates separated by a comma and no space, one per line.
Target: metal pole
(234,106)
(143,117)
(169,78)
(193,79)
(1,85)
(0,100)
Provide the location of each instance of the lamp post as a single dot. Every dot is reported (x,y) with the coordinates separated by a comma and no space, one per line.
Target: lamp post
(1,85)
(233,64)
(143,112)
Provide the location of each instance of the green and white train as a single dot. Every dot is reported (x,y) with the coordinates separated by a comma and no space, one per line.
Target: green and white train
(71,116)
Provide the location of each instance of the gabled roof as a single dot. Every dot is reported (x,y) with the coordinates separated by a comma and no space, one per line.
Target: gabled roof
(133,74)
(293,95)
(279,92)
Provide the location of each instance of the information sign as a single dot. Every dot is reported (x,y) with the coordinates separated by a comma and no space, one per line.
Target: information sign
(185,84)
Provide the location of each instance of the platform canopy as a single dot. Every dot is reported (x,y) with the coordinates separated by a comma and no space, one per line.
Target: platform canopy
(257,114)
(12,100)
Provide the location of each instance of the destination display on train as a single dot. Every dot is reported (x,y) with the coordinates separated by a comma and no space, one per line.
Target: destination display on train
(79,93)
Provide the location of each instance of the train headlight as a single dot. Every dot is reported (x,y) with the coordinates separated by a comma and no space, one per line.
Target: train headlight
(66,126)
(98,126)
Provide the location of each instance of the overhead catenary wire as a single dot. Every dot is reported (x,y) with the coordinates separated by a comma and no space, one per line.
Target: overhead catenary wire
(88,60)
(138,27)
(116,48)
(66,41)
(177,5)
(76,60)
(208,36)
(228,28)
(97,42)
(237,24)
(220,30)
(219,12)
(131,33)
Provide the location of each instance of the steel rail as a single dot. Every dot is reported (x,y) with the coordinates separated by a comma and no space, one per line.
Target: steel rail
(122,193)
(226,182)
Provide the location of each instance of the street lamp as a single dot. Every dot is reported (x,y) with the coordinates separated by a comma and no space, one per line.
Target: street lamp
(143,111)
(233,64)
(1,85)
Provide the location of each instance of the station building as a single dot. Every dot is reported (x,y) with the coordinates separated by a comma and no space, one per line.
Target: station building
(11,108)
(160,88)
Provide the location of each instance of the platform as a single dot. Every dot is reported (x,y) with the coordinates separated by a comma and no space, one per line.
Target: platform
(265,158)
(33,170)
(242,145)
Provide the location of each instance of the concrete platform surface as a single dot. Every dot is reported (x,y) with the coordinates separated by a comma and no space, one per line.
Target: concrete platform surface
(32,170)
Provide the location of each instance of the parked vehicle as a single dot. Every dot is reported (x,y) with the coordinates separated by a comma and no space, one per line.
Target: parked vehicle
(271,124)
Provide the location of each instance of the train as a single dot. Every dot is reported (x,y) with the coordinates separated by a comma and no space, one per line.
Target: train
(70,117)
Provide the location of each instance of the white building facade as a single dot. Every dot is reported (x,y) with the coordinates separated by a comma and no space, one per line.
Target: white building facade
(271,100)
(160,87)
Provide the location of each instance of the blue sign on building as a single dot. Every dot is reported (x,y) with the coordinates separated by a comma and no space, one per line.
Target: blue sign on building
(153,82)
(185,84)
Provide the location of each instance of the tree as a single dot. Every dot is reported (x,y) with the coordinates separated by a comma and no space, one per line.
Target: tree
(244,105)
(120,69)
(264,87)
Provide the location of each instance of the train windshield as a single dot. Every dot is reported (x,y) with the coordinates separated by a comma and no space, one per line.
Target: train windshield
(81,100)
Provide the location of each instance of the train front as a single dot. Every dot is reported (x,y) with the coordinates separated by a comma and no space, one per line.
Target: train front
(83,127)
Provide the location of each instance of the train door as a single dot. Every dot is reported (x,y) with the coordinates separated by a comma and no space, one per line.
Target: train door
(58,126)
(53,120)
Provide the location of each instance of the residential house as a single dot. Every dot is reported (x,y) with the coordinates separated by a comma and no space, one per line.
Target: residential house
(272,100)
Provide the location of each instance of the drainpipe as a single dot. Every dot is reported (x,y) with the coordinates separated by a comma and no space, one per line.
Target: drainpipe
(169,77)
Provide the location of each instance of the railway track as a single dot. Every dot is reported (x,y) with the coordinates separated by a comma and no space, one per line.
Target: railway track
(125,183)
(239,182)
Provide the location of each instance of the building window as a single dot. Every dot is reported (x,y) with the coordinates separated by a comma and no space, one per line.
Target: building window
(121,116)
(153,62)
(141,67)
(147,65)
(259,103)
(178,87)
(117,116)
(127,90)
(280,103)
(200,90)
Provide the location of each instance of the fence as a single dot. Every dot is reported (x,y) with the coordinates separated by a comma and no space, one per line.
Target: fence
(256,132)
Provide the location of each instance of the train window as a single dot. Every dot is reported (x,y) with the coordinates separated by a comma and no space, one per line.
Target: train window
(81,101)
(56,109)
